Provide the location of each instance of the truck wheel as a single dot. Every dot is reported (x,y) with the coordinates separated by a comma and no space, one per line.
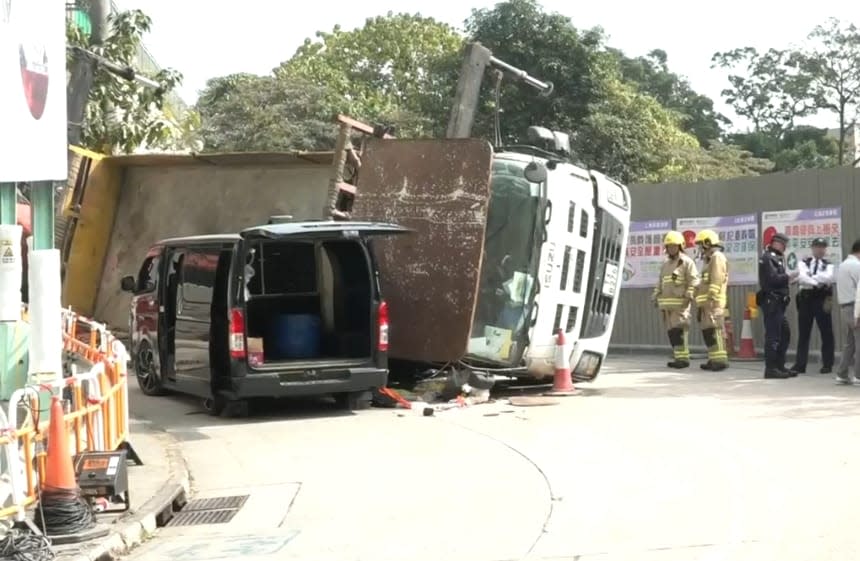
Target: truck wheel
(236,409)
(355,401)
(146,372)
(215,405)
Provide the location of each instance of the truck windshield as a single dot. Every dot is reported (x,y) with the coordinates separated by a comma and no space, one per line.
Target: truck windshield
(505,290)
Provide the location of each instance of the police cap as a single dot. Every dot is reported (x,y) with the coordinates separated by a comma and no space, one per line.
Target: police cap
(819,242)
(780,237)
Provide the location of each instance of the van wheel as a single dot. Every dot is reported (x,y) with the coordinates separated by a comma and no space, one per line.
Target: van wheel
(215,405)
(147,374)
(355,401)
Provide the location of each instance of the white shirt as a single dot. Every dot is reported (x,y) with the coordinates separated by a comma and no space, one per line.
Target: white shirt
(847,278)
(823,276)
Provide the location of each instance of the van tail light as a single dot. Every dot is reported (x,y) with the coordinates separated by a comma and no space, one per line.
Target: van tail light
(382,324)
(237,333)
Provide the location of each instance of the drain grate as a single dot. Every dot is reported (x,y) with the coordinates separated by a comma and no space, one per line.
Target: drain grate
(217,503)
(214,510)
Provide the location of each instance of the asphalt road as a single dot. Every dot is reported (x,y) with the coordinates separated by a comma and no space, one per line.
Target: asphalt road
(645,465)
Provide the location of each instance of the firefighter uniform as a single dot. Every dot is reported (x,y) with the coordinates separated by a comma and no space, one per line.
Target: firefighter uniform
(711,299)
(674,295)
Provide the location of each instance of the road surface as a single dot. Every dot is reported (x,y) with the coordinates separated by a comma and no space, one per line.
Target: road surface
(646,465)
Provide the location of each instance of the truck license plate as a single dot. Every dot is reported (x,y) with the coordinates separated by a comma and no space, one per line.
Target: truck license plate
(610,280)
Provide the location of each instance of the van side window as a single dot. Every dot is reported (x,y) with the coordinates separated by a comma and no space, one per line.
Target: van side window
(198,275)
(148,274)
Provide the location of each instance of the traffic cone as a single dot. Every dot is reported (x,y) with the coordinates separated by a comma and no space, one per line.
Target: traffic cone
(747,348)
(59,470)
(562,383)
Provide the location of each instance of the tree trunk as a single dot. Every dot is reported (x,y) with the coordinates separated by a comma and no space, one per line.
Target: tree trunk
(842,132)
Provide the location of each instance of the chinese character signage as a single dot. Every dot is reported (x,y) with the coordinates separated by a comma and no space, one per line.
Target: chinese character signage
(802,226)
(739,236)
(645,253)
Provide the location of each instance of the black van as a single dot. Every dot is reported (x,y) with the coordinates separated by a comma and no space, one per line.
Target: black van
(285,309)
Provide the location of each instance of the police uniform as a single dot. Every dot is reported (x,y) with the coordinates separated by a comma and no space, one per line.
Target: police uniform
(773,298)
(674,295)
(814,305)
(711,299)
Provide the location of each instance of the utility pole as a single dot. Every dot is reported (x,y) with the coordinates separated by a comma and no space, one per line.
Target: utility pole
(82,69)
(476,59)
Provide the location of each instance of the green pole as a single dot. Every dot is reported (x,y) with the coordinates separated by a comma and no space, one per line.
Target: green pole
(13,335)
(42,199)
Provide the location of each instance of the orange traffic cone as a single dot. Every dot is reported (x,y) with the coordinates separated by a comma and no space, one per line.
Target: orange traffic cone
(59,470)
(562,384)
(747,348)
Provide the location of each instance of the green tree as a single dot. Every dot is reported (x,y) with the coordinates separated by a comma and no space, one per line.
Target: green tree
(244,112)
(803,147)
(398,68)
(766,88)
(653,76)
(123,115)
(617,126)
(832,67)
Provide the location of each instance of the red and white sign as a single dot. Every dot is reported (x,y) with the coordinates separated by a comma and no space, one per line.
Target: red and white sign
(33,127)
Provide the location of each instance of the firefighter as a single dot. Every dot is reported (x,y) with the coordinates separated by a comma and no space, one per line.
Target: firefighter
(773,298)
(674,295)
(711,297)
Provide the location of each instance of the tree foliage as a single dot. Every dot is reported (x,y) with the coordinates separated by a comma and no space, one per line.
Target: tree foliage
(123,115)
(244,112)
(397,68)
(776,88)
(632,118)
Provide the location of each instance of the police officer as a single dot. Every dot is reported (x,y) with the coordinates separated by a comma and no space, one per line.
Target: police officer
(773,299)
(674,295)
(815,280)
(711,296)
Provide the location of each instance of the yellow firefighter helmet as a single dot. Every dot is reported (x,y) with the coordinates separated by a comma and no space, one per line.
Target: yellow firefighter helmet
(708,237)
(673,238)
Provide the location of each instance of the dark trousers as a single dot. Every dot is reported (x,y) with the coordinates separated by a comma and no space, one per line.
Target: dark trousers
(777,333)
(810,308)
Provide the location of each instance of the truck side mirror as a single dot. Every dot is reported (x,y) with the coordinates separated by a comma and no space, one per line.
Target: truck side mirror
(127,284)
(535,172)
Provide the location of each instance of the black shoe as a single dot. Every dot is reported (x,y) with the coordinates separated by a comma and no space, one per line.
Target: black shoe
(678,364)
(718,366)
(789,372)
(798,370)
(826,370)
(707,366)
(776,374)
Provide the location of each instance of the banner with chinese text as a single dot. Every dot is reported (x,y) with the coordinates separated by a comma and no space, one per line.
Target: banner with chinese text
(802,226)
(739,235)
(645,253)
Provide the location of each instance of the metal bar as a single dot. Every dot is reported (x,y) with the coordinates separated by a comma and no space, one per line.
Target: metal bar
(126,72)
(476,57)
(42,201)
(544,87)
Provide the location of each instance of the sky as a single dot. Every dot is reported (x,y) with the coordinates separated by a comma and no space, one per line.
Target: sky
(208,38)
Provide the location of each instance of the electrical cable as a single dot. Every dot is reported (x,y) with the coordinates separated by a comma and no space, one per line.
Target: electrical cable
(63,512)
(25,545)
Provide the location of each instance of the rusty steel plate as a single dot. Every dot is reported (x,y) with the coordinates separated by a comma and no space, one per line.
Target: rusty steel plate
(440,189)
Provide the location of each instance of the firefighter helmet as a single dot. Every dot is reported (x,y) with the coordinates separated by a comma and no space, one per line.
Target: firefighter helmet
(673,238)
(708,237)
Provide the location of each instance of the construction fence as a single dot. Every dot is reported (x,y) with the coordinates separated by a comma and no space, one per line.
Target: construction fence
(96,418)
(825,199)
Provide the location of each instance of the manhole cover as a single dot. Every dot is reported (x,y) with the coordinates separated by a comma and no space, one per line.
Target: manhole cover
(213,510)
(216,503)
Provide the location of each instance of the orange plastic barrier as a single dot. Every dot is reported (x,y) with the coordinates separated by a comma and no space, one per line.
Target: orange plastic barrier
(96,417)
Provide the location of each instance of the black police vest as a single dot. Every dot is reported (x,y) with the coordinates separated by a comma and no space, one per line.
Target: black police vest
(818,290)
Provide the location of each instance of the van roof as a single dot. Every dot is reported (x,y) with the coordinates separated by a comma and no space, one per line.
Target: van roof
(286,229)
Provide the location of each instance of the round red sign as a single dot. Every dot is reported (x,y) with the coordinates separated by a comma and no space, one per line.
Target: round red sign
(34,77)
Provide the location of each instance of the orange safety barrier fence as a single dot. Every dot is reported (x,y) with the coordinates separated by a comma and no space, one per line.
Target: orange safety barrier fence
(96,416)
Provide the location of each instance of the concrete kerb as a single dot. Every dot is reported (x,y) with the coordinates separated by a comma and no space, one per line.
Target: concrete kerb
(138,527)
